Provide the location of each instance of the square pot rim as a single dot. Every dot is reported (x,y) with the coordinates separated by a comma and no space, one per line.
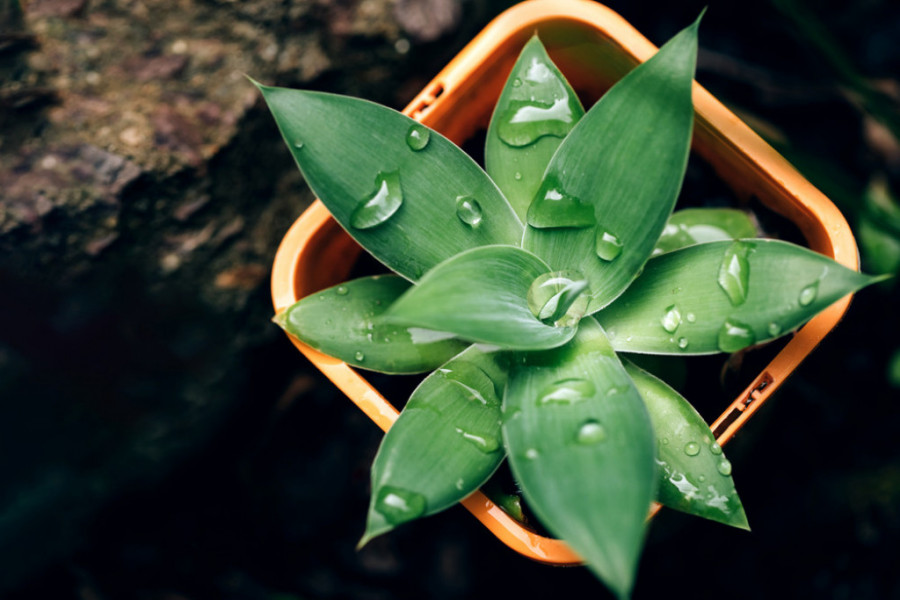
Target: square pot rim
(718,133)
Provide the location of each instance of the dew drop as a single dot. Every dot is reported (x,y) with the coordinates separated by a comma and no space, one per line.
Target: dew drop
(734,336)
(558,298)
(468,210)
(298,145)
(526,121)
(774,329)
(359,356)
(342,290)
(809,293)
(715,448)
(665,441)
(671,319)
(724,467)
(398,505)
(532,454)
(692,449)
(518,176)
(607,246)
(590,432)
(485,443)
(517,82)
(554,207)
(701,478)
(691,317)
(734,272)
(418,137)
(381,205)
(567,391)
(683,343)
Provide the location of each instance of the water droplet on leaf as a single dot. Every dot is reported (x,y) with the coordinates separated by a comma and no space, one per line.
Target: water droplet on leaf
(683,343)
(485,443)
(557,298)
(418,137)
(734,272)
(607,245)
(554,207)
(724,467)
(398,505)
(468,210)
(567,391)
(359,356)
(692,449)
(298,145)
(518,176)
(671,319)
(381,205)
(342,290)
(590,432)
(715,448)
(809,293)
(532,454)
(734,336)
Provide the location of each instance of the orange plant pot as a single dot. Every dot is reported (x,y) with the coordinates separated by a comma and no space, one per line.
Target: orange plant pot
(594,47)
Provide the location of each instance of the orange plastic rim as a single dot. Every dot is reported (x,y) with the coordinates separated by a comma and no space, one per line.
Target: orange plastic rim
(594,47)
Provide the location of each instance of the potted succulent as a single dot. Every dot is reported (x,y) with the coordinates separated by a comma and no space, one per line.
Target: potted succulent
(524,288)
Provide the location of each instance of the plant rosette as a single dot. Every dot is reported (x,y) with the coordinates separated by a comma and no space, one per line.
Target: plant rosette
(524,287)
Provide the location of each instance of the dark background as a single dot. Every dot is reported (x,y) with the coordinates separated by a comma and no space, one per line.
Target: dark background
(160,439)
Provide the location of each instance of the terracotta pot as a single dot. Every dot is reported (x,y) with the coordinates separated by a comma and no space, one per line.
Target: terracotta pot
(593,47)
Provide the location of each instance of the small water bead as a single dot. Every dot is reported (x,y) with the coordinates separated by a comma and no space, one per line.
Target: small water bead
(558,298)
(518,176)
(808,294)
(715,448)
(468,210)
(532,454)
(701,478)
(381,205)
(671,319)
(683,343)
(418,137)
(691,317)
(692,449)
(298,145)
(607,246)
(398,505)
(485,443)
(734,272)
(567,391)
(342,290)
(553,207)
(591,432)
(517,82)
(665,441)
(774,329)
(734,336)
(724,467)
(359,356)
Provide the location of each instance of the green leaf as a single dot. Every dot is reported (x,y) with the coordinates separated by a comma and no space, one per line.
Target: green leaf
(698,225)
(342,322)
(443,446)
(613,181)
(878,228)
(406,193)
(534,113)
(694,475)
(482,296)
(580,444)
(724,296)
